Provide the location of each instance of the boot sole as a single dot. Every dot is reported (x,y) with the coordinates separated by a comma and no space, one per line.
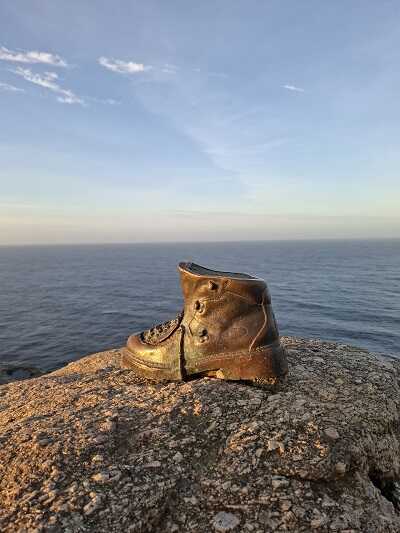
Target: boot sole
(267,362)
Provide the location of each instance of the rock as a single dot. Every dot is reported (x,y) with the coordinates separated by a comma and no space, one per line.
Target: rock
(178,457)
(192,500)
(331,433)
(92,447)
(153,464)
(278,482)
(93,505)
(316,523)
(340,468)
(223,521)
(101,477)
(100,439)
(10,373)
(275,445)
(108,426)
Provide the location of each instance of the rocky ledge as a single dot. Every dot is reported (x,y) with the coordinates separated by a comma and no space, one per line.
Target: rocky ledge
(92,447)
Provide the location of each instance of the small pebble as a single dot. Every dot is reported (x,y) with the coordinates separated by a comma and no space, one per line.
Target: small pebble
(286,505)
(275,445)
(279,482)
(178,457)
(108,426)
(340,468)
(100,439)
(94,504)
(223,521)
(100,477)
(153,464)
(331,433)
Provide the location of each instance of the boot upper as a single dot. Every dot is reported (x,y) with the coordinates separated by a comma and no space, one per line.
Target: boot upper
(224,312)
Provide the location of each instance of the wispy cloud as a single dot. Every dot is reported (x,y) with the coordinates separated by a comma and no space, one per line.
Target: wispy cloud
(122,67)
(33,56)
(48,80)
(107,101)
(249,150)
(210,73)
(293,88)
(168,68)
(10,88)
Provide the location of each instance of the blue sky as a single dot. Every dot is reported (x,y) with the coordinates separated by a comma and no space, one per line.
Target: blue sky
(149,121)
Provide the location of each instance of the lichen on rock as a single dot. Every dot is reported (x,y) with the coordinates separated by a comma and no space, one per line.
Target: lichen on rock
(93,447)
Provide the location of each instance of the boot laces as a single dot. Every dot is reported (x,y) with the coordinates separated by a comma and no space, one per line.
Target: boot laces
(161,331)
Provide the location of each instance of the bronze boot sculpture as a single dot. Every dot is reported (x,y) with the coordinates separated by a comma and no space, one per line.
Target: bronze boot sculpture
(227,329)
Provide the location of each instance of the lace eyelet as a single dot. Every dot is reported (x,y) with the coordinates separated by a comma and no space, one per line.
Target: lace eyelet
(203,335)
(198,306)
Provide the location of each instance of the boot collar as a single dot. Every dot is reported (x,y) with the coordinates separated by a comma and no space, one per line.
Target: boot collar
(200,271)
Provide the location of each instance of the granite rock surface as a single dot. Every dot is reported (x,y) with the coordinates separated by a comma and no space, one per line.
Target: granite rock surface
(93,447)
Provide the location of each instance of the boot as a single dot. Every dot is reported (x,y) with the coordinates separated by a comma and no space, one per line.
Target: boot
(227,330)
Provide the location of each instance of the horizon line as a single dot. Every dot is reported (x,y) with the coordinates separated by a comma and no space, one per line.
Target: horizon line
(250,241)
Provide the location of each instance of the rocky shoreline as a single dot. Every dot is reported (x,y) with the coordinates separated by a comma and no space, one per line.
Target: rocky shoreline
(92,447)
(10,373)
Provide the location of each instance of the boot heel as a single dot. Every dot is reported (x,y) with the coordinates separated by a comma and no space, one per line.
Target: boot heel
(266,363)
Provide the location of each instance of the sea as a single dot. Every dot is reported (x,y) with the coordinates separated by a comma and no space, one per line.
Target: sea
(59,303)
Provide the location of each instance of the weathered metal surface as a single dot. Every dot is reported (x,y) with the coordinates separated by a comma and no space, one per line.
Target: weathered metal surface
(227,330)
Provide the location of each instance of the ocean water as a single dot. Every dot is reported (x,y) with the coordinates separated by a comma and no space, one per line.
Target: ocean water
(59,303)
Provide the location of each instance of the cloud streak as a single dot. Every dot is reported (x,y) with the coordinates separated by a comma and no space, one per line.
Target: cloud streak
(33,56)
(122,67)
(255,149)
(168,68)
(48,81)
(293,88)
(10,88)
(106,101)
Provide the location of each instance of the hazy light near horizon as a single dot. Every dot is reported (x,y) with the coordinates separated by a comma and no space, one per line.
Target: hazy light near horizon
(56,229)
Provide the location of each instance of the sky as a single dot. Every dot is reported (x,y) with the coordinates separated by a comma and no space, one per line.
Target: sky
(132,121)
